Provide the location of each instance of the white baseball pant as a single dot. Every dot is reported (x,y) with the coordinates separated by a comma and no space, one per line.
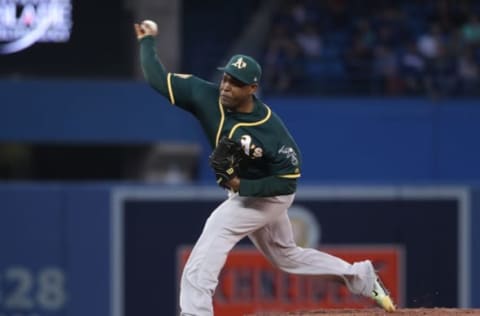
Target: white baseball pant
(265,221)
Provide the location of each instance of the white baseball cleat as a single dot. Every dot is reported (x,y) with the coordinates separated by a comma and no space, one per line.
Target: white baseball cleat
(381,296)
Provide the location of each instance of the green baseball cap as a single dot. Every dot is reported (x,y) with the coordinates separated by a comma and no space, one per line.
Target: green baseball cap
(244,68)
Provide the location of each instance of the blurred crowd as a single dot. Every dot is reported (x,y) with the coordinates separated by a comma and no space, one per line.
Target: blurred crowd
(378,47)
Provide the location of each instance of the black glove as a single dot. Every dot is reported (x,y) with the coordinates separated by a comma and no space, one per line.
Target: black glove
(225,160)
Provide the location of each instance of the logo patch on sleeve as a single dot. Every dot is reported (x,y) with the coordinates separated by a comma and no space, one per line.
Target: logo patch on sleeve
(290,154)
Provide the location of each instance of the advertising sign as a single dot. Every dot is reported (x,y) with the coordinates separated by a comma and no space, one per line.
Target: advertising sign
(413,235)
(25,22)
(250,284)
(65,39)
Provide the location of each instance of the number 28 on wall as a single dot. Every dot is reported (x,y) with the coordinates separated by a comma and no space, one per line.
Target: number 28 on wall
(23,289)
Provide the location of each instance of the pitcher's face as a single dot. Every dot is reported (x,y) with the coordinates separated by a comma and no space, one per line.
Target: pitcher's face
(234,93)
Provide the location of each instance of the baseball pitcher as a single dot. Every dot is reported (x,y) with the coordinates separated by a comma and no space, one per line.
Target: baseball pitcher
(257,161)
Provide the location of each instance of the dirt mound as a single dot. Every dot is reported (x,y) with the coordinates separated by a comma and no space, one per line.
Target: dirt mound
(379,312)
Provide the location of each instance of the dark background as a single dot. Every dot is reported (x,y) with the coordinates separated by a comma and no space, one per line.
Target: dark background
(100,46)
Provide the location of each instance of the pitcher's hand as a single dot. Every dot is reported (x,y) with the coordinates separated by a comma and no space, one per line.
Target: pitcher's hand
(144,29)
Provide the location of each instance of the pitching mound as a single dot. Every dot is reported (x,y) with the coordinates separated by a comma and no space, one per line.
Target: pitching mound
(378,312)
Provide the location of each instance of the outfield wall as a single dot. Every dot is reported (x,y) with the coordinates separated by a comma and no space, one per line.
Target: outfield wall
(63,244)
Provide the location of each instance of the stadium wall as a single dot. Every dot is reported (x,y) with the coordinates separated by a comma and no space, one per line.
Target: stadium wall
(60,243)
(342,139)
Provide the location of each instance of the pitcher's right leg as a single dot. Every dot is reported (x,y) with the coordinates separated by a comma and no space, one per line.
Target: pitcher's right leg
(200,274)
(230,222)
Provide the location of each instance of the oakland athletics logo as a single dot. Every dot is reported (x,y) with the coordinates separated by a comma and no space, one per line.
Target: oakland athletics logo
(250,149)
(240,64)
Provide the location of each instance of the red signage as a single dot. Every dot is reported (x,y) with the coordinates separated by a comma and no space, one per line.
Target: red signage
(250,284)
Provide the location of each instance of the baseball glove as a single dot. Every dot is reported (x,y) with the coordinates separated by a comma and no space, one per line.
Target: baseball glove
(225,160)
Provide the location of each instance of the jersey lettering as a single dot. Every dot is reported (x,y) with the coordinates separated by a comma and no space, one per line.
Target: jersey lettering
(250,149)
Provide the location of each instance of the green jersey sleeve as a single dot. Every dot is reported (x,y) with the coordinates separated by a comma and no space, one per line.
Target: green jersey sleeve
(190,92)
(286,163)
(152,68)
(184,90)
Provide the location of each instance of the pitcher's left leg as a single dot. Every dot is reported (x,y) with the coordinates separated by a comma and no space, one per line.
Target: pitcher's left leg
(277,243)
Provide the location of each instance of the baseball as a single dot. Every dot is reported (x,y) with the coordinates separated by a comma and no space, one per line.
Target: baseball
(151,25)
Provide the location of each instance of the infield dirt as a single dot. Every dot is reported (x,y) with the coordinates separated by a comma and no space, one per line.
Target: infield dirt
(379,312)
